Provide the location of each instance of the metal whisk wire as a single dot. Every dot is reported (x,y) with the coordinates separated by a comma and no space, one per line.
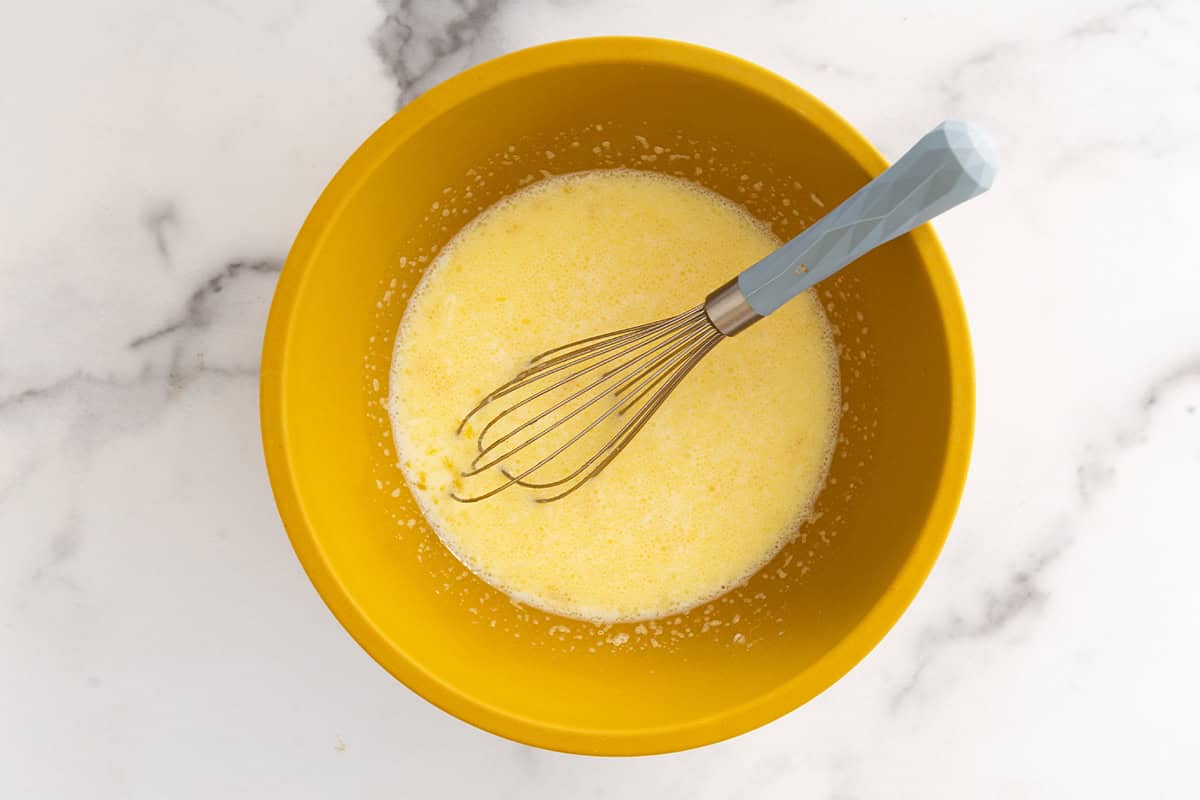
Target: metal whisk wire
(635,369)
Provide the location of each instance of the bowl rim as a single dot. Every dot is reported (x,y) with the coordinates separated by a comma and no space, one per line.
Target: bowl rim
(843,656)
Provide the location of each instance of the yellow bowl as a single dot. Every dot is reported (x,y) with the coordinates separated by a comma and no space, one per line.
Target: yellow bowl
(806,618)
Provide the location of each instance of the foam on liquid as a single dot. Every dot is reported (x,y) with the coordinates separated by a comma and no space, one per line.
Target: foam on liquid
(709,490)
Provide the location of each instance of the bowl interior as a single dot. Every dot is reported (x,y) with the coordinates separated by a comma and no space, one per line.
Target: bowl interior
(757,652)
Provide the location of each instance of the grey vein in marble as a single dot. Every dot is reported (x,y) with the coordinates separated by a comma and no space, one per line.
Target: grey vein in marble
(64,545)
(417,37)
(1110,23)
(196,317)
(160,220)
(95,407)
(198,306)
(36,393)
(1098,25)
(1022,593)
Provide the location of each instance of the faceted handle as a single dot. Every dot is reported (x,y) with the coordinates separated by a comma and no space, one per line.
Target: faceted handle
(952,163)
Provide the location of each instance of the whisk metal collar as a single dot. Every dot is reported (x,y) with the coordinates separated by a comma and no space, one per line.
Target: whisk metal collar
(728,310)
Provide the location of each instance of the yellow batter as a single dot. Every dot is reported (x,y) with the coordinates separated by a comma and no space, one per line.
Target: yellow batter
(709,490)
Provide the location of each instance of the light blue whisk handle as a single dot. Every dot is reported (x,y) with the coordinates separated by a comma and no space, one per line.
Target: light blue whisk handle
(952,163)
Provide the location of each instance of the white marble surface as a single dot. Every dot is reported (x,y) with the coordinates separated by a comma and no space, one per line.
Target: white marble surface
(157,636)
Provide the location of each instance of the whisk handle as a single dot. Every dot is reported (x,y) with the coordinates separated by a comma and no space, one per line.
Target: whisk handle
(949,165)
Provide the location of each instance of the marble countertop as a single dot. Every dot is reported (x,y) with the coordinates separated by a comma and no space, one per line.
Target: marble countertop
(157,635)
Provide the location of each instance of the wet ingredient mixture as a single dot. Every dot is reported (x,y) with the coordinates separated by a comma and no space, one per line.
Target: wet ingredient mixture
(709,490)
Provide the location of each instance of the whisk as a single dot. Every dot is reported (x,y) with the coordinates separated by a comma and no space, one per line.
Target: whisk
(558,423)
